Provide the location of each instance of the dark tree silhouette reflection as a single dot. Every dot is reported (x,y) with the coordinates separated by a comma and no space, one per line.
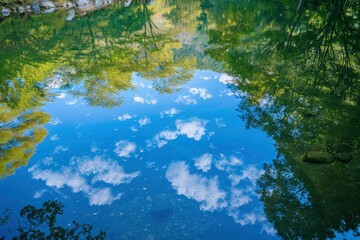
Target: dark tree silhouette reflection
(41,223)
(298,79)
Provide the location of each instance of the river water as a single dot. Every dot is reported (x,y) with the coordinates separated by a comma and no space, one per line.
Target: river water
(185,119)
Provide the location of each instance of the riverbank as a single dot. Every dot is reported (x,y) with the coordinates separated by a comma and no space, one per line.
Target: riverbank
(80,7)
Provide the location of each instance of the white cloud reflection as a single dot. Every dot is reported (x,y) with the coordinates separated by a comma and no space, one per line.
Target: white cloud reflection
(186,99)
(54,137)
(220,122)
(72,102)
(225,164)
(201,92)
(39,193)
(215,193)
(163,137)
(124,117)
(203,162)
(192,128)
(61,96)
(239,198)
(134,129)
(171,112)
(60,149)
(82,174)
(55,121)
(102,196)
(105,171)
(138,99)
(147,100)
(144,121)
(203,190)
(226,79)
(124,148)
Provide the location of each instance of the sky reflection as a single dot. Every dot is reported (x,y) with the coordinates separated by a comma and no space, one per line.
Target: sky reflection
(189,145)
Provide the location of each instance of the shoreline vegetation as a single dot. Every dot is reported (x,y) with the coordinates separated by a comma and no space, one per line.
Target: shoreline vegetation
(75,8)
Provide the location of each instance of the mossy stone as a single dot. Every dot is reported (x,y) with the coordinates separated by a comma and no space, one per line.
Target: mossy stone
(343,157)
(318,157)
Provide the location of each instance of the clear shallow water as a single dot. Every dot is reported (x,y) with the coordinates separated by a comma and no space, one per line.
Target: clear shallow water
(185,119)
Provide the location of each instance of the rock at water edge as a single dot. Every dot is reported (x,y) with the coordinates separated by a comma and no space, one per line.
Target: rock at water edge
(68,5)
(50,10)
(318,157)
(71,15)
(5,12)
(21,9)
(343,157)
(83,3)
(99,3)
(127,3)
(47,4)
(36,7)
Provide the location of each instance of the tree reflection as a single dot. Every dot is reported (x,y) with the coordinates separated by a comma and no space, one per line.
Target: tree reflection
(100,50)
(93,57)
(311,202)
(21,125)
(297,69)
(299,81)
(41,223)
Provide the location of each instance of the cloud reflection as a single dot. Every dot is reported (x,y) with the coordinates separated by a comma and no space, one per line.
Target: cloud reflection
(204,162)
(203,190)
(226,79)
(144,121)
(55,121)
(124,117)
(217,193)
(124,148)
(192,128)
(148,100)
(105,171)
(201,92)
(171,112)
(81,176)
(186,99)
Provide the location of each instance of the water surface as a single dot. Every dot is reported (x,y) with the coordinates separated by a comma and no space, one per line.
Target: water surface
(185,119)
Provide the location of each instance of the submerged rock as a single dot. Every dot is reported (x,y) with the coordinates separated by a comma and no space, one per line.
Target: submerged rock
(318,157)
(71,15)
(343,157)
(5,12)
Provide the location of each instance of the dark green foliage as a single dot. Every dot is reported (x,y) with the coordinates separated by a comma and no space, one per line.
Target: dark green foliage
(298,76)
(40,224)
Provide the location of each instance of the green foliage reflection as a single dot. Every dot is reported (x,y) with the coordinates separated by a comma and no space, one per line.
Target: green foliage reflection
(21,125)
(298,75)
(41,223)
